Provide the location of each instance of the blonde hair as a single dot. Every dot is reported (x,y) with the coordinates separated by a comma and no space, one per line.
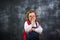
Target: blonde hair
(27,14)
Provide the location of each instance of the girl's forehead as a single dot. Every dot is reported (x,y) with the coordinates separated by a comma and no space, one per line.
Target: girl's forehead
(32,13)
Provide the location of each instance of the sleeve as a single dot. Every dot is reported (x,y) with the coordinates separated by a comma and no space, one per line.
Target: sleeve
(27,27)
(39,29)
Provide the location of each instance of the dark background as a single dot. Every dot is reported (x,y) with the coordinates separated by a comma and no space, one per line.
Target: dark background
(12,18)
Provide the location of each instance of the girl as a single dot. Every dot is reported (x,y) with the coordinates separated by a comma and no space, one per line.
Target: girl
(31,27)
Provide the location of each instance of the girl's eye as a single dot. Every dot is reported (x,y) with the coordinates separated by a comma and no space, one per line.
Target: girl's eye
(31,16)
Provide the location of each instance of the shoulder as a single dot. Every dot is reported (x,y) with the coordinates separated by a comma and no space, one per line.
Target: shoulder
(25,22)
(38,23)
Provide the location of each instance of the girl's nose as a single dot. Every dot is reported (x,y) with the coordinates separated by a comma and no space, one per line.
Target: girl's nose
(32,17)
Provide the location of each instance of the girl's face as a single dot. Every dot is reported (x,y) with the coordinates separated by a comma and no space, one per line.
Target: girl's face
(32,16)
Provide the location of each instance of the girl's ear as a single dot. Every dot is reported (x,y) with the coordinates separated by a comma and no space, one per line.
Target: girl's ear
(36,18)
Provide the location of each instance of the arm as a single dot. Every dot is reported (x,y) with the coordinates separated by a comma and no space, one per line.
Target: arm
(39,29)
(27,27)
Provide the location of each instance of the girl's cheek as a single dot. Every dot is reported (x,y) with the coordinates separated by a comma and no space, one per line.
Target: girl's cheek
(29,19)
(35,18)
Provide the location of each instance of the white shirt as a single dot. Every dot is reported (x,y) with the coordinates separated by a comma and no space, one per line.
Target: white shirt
(27,27)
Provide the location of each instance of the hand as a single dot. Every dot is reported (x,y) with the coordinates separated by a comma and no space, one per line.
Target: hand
(33,21)
(33,29)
